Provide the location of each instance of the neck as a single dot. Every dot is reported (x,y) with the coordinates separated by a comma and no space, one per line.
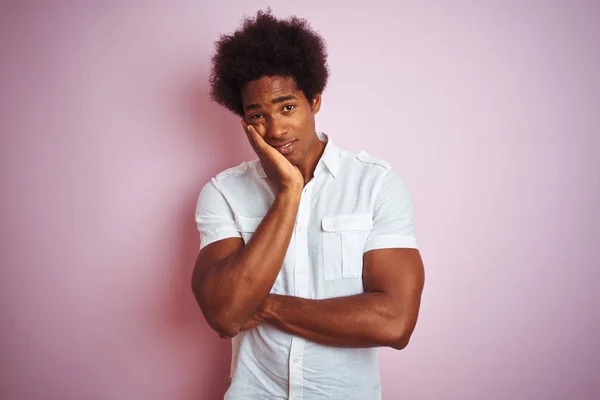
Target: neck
(307,168)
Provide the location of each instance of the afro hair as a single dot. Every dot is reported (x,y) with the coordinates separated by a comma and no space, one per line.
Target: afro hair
(266,46)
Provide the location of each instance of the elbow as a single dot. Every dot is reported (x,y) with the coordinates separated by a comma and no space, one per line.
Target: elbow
(398,335)
(218,317)
(401,342)
(221,321)
(226,327)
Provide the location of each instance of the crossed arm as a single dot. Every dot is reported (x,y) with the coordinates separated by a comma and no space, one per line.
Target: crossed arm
(385,315)
(232,281)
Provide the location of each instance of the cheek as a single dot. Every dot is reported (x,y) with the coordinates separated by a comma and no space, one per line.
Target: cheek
(298,123)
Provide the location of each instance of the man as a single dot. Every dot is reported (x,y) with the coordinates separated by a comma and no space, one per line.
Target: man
(307,255)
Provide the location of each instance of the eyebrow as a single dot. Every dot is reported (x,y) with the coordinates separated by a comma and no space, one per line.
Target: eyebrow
(276,100)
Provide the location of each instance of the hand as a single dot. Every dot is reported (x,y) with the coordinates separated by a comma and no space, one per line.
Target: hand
(285,175)
(252,322)
(269,309)
(256,319)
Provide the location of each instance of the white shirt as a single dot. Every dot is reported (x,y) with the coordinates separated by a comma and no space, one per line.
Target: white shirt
(354,203)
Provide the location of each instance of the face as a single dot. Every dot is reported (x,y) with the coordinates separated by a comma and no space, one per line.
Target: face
(282,115)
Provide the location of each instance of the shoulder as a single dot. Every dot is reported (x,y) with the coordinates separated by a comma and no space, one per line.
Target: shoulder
(233,171)
(363,161)
(368,160)
(245,173)
(228,182)
(242,174)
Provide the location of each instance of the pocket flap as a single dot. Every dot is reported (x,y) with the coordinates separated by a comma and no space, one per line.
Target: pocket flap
(247,224)
(350,222)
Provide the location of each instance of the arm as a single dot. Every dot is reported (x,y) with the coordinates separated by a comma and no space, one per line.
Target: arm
(393,279)
(385,315)
(230,281)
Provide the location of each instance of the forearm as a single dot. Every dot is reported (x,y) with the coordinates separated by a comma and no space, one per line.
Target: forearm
(364,320)
(234,289)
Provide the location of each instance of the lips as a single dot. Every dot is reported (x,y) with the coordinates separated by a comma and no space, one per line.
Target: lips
(285,148)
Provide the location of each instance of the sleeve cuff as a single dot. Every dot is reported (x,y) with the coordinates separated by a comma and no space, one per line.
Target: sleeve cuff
(220,234)
(391,241)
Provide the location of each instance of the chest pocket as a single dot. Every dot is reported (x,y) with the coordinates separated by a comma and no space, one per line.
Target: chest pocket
(344,238)
(247,226)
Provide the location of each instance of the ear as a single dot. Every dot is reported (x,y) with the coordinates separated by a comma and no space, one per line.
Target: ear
(316,103)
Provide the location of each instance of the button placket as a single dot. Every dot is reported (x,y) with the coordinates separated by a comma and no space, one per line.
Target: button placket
(302,218)
(300,290)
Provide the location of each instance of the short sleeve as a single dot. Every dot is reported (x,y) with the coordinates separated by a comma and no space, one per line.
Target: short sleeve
(214,218)
(392,216)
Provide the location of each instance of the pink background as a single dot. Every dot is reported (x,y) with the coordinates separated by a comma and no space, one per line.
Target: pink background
(490,110)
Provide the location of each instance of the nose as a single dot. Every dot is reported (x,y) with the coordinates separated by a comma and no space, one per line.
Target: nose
(276,129)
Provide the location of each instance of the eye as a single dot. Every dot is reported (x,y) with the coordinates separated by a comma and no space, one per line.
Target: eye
(289,107)
(256,116)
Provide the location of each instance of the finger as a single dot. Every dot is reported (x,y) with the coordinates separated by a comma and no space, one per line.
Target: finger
(251,138)
(258,140)
(247,132)
(246,325)
(251,323)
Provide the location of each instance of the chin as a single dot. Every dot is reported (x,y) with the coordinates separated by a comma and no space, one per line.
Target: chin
(295,157)
(292,159)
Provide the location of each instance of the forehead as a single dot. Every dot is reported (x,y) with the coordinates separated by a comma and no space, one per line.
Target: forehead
(267,88)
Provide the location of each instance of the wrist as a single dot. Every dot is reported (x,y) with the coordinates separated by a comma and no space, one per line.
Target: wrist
(290,193)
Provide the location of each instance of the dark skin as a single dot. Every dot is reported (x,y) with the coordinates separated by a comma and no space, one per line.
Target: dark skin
(280,113)
(232,281)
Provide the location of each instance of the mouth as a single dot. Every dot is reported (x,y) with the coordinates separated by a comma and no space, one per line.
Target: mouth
(285,148)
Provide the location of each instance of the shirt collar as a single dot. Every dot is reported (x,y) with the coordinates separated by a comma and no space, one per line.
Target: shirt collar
(330,158)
